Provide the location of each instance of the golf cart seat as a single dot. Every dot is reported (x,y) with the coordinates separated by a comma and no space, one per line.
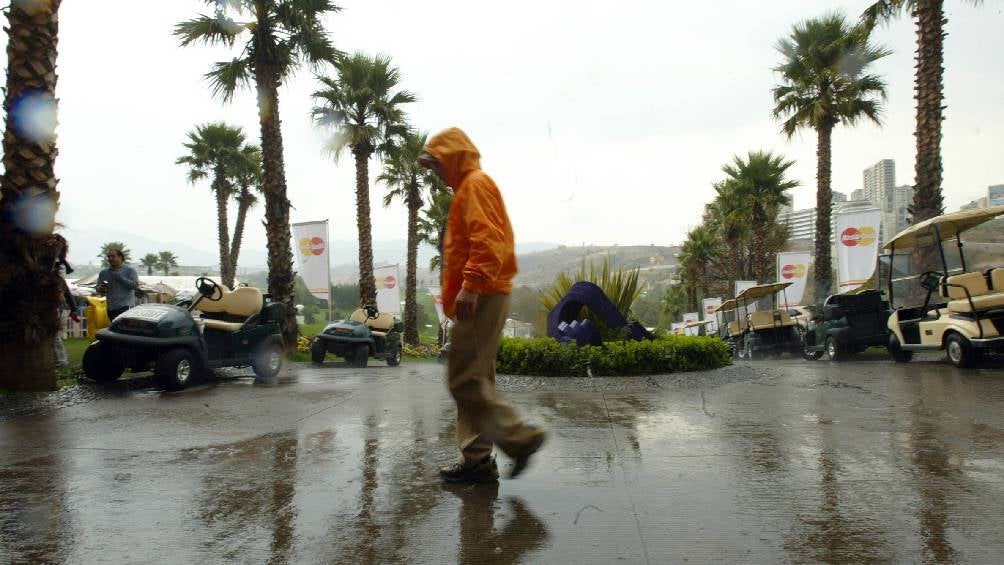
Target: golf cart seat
(955,288)
(770,319)
(737,327)
(379,326)
(232,310)
(996,278)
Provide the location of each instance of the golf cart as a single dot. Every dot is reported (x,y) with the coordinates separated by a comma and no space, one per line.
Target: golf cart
(697,327)
(962,311)
(237,328)
(769,329)
(366,333)
(730,324)
(847,324)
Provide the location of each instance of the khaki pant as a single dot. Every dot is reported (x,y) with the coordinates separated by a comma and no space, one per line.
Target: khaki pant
(483,417)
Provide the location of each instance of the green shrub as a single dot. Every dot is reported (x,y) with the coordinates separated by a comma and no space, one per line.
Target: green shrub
(668,354)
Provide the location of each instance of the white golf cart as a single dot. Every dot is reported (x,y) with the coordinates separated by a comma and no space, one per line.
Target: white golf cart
(962,309)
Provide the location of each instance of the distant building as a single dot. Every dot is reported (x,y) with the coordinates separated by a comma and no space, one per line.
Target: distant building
(995,195)
(838,196)
(879,183)
(802,223)
(981,202)
(858,194)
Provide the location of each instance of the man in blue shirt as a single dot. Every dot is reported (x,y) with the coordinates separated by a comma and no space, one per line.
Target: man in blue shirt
(119,282)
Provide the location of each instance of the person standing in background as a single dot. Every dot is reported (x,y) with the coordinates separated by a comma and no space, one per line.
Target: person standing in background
(119,283)
(66,300)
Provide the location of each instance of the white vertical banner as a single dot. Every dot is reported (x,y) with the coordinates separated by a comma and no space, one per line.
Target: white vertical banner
(691,317)
(857,248)
(437,301)
(709,306)
(388,289)
(793,267)
(312,256)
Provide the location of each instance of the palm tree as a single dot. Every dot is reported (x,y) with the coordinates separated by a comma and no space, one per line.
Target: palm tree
(215,149)
(406,180)
(151,261)
(432,224)
(759,182)
(928,84)
(29,199)
(281,35)
(248,177)
(727,216)
(362,107)
(825,84)
(105,247)
(701,248)
(674,302)
(167,261)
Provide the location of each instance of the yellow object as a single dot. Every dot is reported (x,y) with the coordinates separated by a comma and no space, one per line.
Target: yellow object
(96,315)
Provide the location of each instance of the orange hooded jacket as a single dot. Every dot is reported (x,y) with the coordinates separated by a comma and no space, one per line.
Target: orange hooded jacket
(479,253)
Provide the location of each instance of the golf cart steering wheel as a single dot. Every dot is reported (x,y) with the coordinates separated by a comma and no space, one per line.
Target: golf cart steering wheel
(930,280)
(209,289)
(372,312)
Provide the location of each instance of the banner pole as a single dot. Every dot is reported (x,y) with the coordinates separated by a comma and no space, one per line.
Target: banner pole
(327,239)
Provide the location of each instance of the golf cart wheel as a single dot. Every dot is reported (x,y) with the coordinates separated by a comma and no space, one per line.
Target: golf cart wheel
(394,359)
(740,350)
(751,354)
(99,365)
(176,369)
(812,355)
(899,354)
(267,361)
(960,352)
(318,351)
(834,350)
(360,355)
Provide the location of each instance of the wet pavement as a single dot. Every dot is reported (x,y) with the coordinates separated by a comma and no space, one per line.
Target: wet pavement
(786,461)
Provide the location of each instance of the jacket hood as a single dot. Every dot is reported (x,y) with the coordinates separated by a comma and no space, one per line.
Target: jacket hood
(456,154)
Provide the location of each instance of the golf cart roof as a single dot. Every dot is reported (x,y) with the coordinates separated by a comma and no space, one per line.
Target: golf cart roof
(727,306)
(695,323)
(949,226)
(762,290)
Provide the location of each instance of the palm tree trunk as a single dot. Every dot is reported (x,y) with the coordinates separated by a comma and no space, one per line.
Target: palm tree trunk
(758,244)
(367,286)
(28,188)
(235,243)
(411,279)
(280,254)
(824,203)
(927,199)
(222,227)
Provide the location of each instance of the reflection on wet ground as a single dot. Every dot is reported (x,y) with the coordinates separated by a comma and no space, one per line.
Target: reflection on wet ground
(788,461)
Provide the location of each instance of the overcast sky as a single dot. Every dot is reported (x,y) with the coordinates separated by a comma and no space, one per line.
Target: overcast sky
(601,122)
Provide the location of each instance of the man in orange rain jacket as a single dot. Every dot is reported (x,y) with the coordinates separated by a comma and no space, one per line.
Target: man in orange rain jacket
(479,263)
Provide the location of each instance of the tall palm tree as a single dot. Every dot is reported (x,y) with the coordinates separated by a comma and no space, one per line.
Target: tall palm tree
(727,214)
(361,105)
(825,84)
(29,199)
(215,149)
(248,178)
(927,84)
(760,182)
(151,261)
(406,180)
(432,224)
(166,261)
(281,35)
(701,248)
(126,253)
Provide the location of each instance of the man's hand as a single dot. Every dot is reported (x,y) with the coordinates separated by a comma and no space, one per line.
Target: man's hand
(465,304)
(75,317)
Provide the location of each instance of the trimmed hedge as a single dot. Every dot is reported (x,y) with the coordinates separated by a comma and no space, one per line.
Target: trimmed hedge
(667,354)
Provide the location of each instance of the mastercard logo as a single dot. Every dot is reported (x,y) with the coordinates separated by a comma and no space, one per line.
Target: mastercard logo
(853,237)
(311,246)
(793,271)
(710,309)
(388,282)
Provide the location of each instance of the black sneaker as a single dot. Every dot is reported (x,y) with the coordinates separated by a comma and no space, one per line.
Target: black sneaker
(486,471)
(523,459)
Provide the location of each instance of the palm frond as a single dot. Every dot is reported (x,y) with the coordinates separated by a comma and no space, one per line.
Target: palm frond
(209,30)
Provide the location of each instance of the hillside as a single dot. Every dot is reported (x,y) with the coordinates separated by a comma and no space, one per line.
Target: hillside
(657,263)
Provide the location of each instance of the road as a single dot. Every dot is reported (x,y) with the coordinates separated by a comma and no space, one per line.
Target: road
(774,461)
